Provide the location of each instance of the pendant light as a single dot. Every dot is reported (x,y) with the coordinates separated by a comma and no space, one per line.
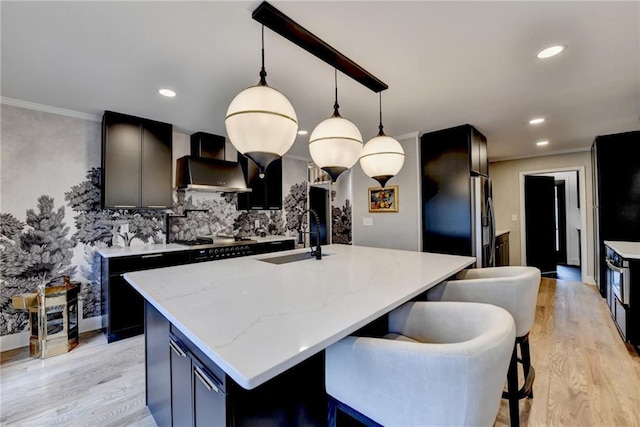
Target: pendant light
(261,122)
(335,144)
(382,157)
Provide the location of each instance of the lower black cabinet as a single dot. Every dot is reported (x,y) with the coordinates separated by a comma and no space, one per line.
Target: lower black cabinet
(123,306)
(502,250)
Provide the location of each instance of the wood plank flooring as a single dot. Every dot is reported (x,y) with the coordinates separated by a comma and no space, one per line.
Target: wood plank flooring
(585,374)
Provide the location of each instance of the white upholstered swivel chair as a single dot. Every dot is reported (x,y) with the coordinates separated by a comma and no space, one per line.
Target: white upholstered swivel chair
(514,288)
(442,363)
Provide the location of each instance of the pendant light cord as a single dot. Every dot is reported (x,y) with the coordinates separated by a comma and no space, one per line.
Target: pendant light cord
(380,126)
(263,72)
(336,106)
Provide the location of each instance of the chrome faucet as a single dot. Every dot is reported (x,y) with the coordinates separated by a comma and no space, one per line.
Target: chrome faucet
(318,251)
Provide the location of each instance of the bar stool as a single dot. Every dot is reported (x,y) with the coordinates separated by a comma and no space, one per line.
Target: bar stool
(514,288)
(442,363)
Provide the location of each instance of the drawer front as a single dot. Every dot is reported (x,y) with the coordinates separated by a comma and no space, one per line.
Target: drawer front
(146,262)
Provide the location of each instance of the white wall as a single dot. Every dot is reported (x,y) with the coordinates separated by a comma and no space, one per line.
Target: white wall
(399,230)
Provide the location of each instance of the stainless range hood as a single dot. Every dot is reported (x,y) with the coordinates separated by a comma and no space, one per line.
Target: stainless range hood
(211,175)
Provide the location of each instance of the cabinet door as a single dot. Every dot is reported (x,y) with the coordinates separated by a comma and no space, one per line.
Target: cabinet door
(209,401)
(478,153)
(181,384)
(273,181)
(156,165)
(266,192)
(121,165)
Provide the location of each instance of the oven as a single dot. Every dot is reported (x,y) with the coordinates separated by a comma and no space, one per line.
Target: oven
(618,288)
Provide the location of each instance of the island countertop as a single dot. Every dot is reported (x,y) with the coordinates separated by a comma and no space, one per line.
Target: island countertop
(256,319)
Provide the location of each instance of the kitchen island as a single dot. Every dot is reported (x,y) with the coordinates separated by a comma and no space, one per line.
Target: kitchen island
(245,321)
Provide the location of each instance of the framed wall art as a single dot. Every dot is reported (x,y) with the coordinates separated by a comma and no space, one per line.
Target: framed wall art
(383,199)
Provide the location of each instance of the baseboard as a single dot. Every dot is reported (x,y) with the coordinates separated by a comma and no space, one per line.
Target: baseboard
(21,339)
(12,341)
(589,280)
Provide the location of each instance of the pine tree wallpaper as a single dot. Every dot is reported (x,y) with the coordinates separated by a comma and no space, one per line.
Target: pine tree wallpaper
(52,224)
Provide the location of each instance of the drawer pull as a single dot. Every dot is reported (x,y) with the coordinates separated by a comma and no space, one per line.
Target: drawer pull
(204,378)
(176,348)
(157,206)
(151,256)
(124,206)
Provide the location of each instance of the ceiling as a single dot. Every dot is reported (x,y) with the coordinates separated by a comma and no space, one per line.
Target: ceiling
(446,63)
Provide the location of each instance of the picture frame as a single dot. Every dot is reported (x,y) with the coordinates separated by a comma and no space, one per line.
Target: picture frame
(383,199)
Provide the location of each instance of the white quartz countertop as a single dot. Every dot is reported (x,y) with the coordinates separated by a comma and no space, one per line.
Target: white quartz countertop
(257,319)
(118,251)
(629,250)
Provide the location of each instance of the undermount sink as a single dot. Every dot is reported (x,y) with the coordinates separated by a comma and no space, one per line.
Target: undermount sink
(285,259)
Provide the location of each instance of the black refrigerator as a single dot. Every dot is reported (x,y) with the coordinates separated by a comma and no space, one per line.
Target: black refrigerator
(457,206)
(616,187)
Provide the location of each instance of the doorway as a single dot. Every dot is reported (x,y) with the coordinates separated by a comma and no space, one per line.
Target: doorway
(568,250)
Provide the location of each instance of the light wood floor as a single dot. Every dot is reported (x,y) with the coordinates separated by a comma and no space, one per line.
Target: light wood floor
(585,374)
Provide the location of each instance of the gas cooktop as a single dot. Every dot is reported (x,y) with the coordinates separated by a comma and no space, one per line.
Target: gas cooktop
(217,241)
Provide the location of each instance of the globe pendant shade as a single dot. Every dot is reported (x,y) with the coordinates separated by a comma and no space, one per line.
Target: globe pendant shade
(382,158)
(335,145)
(261,124)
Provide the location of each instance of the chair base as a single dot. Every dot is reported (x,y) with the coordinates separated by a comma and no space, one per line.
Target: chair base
(513,393)
(332,416)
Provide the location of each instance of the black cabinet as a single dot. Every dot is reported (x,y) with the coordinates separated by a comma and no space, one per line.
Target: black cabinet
(616,181)
(266,192)
(464,147)
(186,388)
(268,247)
(198,394)
(158,365)
(123,306)
(208,146)
(136,162)
(502,250)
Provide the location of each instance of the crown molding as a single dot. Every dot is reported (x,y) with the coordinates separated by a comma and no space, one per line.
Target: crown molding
(48,109)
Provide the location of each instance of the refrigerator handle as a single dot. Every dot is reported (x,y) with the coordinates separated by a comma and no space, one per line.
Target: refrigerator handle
(492,229)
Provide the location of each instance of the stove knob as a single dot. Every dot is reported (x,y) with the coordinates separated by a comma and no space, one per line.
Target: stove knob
(217,250)
(210,251)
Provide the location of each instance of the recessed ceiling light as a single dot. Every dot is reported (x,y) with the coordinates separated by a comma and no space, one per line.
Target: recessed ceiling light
(536,121)
(551,51)
(167,92)
(302,132)
(542,142)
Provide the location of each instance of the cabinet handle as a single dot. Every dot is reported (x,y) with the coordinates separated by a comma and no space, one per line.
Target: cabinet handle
(157,206)
(151,256)
(176,348)
(204,378)
(275,207)
(124,206)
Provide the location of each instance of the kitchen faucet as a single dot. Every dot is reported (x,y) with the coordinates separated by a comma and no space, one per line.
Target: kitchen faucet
(318,251)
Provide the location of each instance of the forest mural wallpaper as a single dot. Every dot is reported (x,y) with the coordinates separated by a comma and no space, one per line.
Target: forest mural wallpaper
(53,224)
(39,250)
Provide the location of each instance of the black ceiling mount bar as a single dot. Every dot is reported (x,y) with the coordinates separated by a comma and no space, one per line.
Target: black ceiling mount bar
(277,21)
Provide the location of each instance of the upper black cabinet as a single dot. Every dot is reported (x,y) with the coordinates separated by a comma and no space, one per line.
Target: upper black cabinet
(266,192)
(136,162)
(463,147)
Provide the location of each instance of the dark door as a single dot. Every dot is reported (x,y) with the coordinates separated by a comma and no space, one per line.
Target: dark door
(319,202)
(561,222)
(539,199)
